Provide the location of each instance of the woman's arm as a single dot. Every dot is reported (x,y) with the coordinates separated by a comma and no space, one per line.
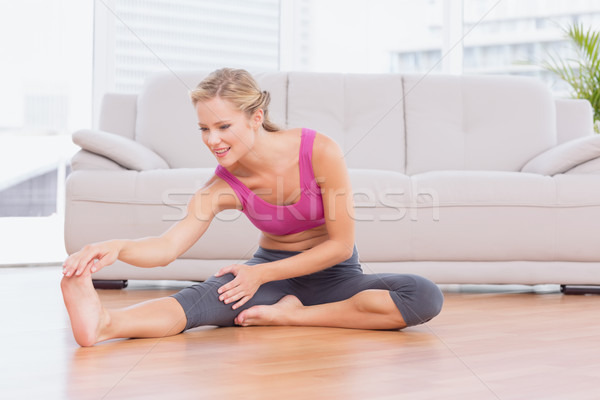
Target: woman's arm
(330,170)
(156,251)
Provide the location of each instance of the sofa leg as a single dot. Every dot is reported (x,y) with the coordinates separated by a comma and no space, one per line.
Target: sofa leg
(109,284)
(579,289)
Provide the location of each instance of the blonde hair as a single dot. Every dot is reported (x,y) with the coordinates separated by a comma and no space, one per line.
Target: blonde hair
(239,88)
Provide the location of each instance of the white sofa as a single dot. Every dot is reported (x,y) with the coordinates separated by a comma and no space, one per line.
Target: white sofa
(461,179)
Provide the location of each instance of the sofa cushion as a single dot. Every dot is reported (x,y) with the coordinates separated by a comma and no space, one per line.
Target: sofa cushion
(84,159)
(364,114)
(484,216)
(590,167)
(563,157)
(147,203)
(166,121)
(123,151)
(432,216)
(476,122)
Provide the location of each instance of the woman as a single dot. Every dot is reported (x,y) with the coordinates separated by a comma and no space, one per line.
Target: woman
(306,270)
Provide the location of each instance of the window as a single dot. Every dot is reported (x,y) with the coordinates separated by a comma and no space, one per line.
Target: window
(363,35)
(493,36)
(150,36)
(46,94)
(527,31)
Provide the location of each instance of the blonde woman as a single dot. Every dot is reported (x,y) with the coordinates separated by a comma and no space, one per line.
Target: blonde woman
(306,270)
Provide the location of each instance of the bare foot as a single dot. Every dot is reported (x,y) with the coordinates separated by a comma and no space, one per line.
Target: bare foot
(84,308)
(278,314)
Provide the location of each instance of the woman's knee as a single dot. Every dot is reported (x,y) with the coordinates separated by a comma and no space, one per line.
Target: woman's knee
(419,302)
(202,306)
(429,298)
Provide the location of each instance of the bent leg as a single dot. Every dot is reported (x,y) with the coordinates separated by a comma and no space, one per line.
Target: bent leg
(418,299)
(379,301)
(91,322)
(369,309)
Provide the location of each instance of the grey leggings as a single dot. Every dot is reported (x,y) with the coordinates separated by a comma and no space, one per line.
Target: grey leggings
(417,298)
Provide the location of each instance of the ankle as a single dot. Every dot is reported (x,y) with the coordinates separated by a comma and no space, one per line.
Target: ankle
(105,326)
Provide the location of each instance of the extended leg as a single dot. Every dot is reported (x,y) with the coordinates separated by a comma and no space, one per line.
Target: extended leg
(203,307)
(92,323)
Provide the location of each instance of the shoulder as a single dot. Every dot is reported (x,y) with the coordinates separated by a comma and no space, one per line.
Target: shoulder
(328,157)
(326,150)
(324,147)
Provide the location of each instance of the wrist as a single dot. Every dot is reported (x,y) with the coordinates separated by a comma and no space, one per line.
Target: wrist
(117,245)
(263,273)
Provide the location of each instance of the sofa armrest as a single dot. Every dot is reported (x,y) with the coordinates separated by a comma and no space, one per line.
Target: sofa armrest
(590,167)
(126,152)
(85,160)
(574,119)
(565,157)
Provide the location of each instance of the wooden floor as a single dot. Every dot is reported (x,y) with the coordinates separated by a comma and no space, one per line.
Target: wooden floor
(482,346)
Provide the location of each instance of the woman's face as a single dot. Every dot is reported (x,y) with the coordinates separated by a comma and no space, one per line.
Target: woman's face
(226,131)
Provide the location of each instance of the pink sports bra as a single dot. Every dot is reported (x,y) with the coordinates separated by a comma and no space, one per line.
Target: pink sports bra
(305,214)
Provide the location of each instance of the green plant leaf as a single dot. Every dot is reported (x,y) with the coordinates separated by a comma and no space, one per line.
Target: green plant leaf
(583,73)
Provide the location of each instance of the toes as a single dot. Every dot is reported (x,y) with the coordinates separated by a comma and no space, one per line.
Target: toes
(239,319)
(244,317)
(247,317)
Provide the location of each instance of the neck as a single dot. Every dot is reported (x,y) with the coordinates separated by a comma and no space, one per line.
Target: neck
(261,155)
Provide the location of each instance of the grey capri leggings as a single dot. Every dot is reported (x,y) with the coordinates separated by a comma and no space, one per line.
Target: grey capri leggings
(417,298)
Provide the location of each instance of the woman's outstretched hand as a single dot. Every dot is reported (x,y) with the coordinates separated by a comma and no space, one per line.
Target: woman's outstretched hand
(241,289)
(92,257)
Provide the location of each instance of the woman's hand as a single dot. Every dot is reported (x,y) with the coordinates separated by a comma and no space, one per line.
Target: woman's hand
(92,257)
(241,289)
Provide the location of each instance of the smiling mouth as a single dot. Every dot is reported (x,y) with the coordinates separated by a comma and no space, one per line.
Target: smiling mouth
(222,152)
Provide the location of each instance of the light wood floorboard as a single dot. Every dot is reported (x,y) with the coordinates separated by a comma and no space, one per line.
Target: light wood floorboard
(482,346)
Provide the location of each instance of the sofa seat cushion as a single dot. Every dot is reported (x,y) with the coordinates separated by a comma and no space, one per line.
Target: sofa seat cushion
(435,216)
(131,204)
(485,216)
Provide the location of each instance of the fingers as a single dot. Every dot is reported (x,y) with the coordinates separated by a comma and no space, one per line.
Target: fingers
(239,299)
(228,286)
(98,264)
(230,269)
(234,293)
(239,290)
(229,291)
(240,303)
(85,259)
(233,297)
(77,266)
(222,271)
(71,266)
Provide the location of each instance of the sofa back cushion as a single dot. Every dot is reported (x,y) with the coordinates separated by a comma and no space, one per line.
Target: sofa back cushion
(476,122)
(166,121)
(363,113)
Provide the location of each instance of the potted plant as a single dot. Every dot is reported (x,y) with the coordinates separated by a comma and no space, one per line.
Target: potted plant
(582,73)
